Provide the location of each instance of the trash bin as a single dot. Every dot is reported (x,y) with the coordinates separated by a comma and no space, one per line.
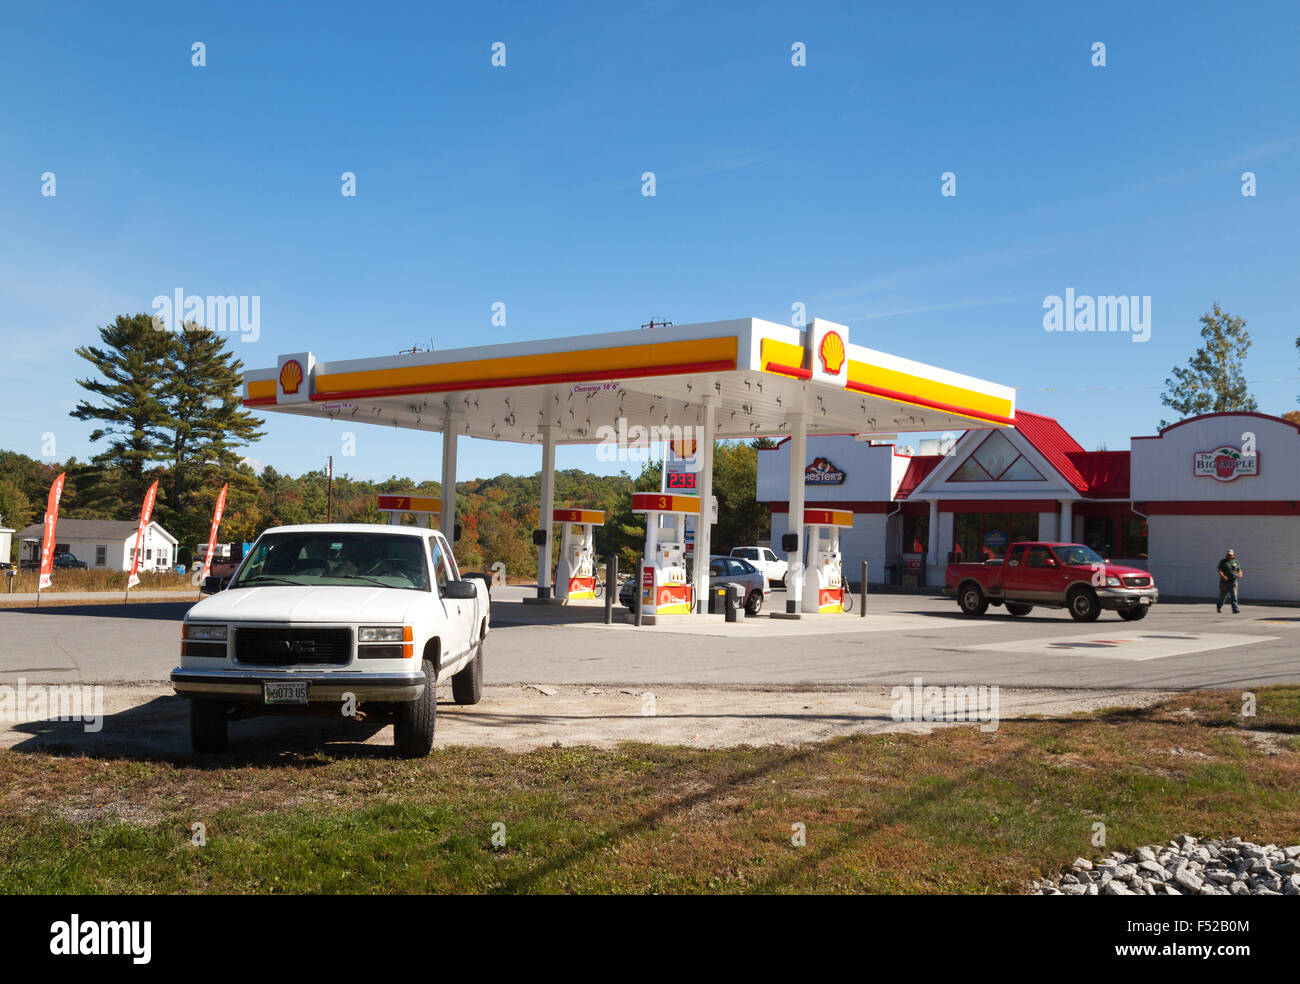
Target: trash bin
(717,599)
(735,603)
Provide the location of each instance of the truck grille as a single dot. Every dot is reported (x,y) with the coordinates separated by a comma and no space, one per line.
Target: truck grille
(290,647)
(1137,582)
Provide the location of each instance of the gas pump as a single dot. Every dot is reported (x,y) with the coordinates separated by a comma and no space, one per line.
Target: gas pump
(823,585)
(575,574)
(664,590)
(423,507)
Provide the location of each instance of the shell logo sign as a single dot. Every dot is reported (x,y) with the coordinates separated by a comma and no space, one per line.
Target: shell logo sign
(293,382)
(827,352)
(290,376)
(832,352)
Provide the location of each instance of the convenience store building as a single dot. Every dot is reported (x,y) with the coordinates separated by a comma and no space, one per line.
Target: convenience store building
(1172,503)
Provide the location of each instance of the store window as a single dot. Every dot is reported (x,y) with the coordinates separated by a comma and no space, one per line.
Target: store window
(916,534)
(1133,538)
(986,536)
(996,460)
(1099,533)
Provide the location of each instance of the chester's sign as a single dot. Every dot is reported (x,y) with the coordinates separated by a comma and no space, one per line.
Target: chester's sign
(1225,463)
(822,472)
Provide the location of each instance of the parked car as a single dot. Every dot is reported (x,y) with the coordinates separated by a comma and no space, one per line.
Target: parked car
(721,570)
(765,560)
(336,618)
(66,561)
(1052,575)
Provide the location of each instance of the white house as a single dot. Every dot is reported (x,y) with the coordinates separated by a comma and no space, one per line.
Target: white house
(103,544)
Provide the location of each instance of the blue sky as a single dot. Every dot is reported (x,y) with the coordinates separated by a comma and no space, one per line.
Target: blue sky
(775,184)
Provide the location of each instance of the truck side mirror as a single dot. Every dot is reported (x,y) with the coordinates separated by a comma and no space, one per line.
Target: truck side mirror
(212,584)
(459,590)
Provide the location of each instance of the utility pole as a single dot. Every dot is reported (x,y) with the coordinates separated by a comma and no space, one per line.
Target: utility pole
(329,494)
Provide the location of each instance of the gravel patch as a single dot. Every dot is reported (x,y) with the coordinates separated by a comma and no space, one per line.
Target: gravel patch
(1185,866)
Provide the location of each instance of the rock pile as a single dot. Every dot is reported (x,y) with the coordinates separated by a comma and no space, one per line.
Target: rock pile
(1184,866)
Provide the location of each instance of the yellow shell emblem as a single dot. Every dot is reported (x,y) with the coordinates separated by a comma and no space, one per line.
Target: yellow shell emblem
(290,376)
(832,352)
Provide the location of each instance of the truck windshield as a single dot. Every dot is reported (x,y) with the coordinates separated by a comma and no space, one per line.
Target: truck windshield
(333,558)
(1077,555)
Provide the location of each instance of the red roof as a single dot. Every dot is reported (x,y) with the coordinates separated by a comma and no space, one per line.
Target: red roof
(1105,472)
(1054,443)
(920,466)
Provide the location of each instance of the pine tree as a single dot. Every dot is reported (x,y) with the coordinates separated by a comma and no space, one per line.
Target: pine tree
(132,412)
(1213,380)
(207,425)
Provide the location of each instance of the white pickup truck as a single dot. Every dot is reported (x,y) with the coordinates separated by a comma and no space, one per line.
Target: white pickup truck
(339,619)
(765,560)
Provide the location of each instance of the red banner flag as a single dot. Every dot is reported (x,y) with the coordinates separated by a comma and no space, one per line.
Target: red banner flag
(146,513)
(47,533)
(212,537)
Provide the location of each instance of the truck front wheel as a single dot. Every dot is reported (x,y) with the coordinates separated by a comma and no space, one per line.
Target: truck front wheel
(1083,605)
(467,685)
(413,727)
(972,600)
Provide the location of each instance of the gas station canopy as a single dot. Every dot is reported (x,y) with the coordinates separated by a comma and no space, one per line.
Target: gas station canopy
(758,372)
(683,386)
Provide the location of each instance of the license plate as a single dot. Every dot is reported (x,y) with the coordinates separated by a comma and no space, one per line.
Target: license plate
(285,692)
(1145,601)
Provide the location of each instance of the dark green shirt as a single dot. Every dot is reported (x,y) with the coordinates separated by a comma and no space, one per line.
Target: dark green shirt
(1230,569)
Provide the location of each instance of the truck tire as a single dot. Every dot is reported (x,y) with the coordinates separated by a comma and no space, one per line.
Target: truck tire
(1015,608)
(971,600)
(467,685)
(1135,614)
(207,726)
(413,727)
(1083,605)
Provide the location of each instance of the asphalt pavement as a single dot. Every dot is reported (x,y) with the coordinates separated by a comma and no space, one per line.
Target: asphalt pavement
(1178,646)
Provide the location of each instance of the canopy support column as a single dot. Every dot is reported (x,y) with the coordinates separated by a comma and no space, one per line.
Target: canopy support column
(703,523)
(447,515)
(794,558)
(545,520)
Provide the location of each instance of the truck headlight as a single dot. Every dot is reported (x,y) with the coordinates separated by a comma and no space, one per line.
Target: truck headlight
(197,630)
(380,633)
(1112,582)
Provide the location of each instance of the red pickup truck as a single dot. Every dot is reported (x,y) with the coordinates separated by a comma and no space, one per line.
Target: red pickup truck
(1053,575)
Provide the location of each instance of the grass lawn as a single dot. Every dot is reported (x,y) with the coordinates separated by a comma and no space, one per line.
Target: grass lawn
(955,811)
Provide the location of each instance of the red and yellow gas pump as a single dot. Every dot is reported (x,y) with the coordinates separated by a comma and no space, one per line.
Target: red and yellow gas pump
(575,574)
(823,584)
(664,590)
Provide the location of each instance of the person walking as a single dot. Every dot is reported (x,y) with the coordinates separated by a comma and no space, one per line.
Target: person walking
(1230,573)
